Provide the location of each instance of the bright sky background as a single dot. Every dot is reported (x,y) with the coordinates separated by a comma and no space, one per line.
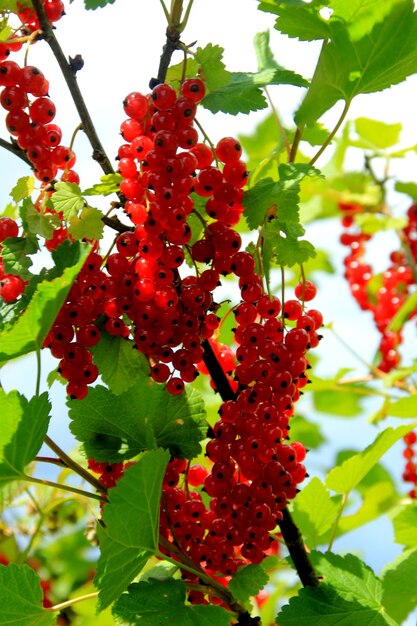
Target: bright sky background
(121,46)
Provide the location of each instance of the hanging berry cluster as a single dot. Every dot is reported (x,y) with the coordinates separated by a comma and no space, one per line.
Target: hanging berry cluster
(396,281)
(410,469)
(11,285)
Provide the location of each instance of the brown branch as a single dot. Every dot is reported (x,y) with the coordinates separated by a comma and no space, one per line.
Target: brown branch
(68,73)
(14,149)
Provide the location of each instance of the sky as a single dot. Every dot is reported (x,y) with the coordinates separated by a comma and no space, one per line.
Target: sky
(121,45)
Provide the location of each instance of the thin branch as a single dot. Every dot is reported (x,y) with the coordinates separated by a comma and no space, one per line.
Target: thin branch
(296,142)
(49,459)
(68,603)
(332,133)
(99,153)
(165,10)
(50,483)
(76,467)
(14,149)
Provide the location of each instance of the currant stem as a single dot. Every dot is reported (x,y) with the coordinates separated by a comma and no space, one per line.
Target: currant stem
(71,464)
(99,153)
(49,483)
(165,10)
(296,142)
(336,521)
(68,603)
(332,133)
(38,371)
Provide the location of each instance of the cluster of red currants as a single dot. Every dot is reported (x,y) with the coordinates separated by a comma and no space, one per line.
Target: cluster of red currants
(386,299)
(11,285)
(410,469)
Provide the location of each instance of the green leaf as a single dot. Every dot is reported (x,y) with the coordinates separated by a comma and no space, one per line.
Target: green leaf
(346,68)
(243,93)
(120,365)
(131,516)
(349,474)
(399,588)
(5,32)
(314,510)
(32,420)
(302,23)
(10,210)
(361,16)
(324,606)
(377,500)
(247,582)
(290,251)
(23,188)
(405,407)
(15,254)
(97,4)
(10,411)
(371,223)
(88,225)
(67,198)
(110,183)
(410,189)
(341,402)
(117,566)
(42,224)
(379,134)
(405,311)
(210,60)
(22,598)
(351,577)
(156,602)
(405,526)
(31,328)
(175,72)
(145,416)
(258,200)
(306,431)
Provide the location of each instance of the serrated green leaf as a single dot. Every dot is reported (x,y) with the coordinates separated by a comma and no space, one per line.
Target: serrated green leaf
(110,183)
(410,189)
(67,199)
(377,500)
(118,427)
(131,516)
(405,526)
(119,364)
(22,598)
(175,72)
(247,582)
(23,188)
(302,23)
(348,475)
(289,251)
(156,602)
(31,328)
(351,577)
(15,255)
(97,4)
(405,407)
(42,224)
(361,16)
(379,134)
(32,420)
(117,566)
(88,225)
(258,200)
(324,606)
(314,511)
(399,588)
(243,93)
(214,70)
(346,68)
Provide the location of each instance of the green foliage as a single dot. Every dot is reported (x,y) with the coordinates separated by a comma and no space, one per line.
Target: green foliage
(11,412)
(29,331)
(405,526)
(306,431)
(405,407)
(15,255)
(30,427)
(378,134)
(247,582)
(120,365)
(347,476)
(349,594)
(315,511)
(22,597)
(213,68)
(96,4)
(375,60)
(67,199)
(88,225)
(156,602)
(145,416)
(37,223)
(110,183)
(399,589)
(23,188)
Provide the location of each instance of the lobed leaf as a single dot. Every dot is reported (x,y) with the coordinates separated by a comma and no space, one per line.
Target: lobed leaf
(22,597)
(247,582)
